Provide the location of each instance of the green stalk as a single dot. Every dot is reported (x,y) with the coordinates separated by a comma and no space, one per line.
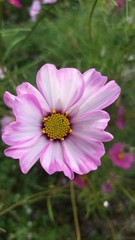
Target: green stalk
(75,213)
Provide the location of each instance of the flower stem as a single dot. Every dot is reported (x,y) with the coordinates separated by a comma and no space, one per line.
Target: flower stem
(75,213)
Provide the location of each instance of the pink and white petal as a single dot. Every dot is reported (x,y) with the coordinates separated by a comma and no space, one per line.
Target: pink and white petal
(21,135)
(61,88)
(27,110)
(82,155)
(93,134)
(26,87)
(47,83)
(52,160)
(93,79)
(100,99)
(96,118)
(71,87)
(9,99)
(27,156)
(91,126)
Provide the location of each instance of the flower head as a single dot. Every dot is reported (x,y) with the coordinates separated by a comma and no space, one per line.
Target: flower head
(120,157)
(15,3)
(62,123)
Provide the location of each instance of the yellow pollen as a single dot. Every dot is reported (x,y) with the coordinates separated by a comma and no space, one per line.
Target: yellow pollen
(56,126)
(121,155)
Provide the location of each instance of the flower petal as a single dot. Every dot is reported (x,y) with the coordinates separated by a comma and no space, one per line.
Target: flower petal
(21,135)
(52,160)
(27,156)
(92,125)
(93,79)
(28,88)
(9,99)
(99,99)
(81,155)
(27,110)
(61,88)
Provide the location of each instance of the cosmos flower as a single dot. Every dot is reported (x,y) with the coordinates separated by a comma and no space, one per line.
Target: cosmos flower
(36,8)
(120,157)
(62,123)
(120,122)
(15,3)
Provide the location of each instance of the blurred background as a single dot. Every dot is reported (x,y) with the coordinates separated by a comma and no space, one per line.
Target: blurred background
(83,34)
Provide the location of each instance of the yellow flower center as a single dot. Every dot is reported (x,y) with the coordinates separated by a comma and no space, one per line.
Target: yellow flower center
(56,126)
(121,155)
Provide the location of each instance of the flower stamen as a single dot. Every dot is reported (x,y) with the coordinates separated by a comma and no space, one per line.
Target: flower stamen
(56,126)
(120,155)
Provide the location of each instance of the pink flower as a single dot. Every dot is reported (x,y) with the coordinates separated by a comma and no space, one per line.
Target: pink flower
(15,3)
(36,8)
(120,122)
(120,157)
(62,123)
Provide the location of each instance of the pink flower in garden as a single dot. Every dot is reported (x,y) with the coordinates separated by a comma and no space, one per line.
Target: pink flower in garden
(120,157)
(120,122)
(62,123)
(15,3)
(36,7)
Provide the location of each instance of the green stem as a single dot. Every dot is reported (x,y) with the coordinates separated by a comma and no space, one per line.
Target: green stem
(90,18)
(50,211)
(75,213)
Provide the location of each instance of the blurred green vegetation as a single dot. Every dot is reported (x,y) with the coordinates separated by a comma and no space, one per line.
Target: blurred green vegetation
(82,34)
